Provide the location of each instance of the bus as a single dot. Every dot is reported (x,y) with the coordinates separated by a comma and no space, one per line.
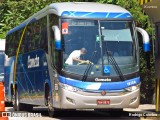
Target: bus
(2,59)
(38,48)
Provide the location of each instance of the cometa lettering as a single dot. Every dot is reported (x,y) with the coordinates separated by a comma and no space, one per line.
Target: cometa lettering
(103,80)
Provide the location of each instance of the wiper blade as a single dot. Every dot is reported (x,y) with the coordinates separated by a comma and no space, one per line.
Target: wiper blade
(115,65)
(89,67)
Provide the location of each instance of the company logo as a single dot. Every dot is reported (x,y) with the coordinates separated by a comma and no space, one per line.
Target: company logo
(33,62)
(102,80)
(103,93)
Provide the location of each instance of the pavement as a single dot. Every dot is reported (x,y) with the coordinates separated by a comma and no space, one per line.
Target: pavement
(144,111)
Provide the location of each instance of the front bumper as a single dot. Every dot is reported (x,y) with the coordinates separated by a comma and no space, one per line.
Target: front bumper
(73,100)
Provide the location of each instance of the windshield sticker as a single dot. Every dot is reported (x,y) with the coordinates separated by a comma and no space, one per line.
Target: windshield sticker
(65,28)
(107,70)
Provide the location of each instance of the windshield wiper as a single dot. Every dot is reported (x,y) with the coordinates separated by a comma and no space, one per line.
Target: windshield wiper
(89,67)
(115,65)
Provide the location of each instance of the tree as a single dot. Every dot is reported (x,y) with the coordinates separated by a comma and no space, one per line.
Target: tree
(13,12)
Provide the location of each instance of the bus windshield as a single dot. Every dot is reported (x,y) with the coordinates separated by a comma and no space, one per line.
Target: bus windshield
(99,38)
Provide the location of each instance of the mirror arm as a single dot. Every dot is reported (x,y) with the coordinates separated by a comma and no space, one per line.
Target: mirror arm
(145,36)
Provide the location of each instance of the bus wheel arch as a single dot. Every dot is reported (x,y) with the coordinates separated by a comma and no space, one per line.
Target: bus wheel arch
(12,92)
(49,100)
(46,95)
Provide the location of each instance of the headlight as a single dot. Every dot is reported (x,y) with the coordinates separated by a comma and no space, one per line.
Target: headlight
(133,88)
(69,88)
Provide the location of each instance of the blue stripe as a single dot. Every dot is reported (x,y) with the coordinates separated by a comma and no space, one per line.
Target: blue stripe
(20,26)
(58,44)
(96,14)
(146,47)
(100,85)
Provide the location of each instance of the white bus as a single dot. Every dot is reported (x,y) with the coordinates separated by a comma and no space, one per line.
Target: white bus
(39,47)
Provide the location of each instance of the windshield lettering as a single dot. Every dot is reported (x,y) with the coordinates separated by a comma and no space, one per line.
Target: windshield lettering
(102,80)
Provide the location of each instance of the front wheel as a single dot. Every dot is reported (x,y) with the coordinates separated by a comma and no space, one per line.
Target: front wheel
(51,110)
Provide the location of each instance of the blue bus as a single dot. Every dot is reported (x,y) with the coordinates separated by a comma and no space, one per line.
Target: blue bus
(101,42)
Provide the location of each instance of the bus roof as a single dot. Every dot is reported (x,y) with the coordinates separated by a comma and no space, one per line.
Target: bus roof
(90,7)
(79,10)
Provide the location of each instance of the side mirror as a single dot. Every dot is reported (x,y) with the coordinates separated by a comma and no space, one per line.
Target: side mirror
(145,36)
(57,37)
(146,44)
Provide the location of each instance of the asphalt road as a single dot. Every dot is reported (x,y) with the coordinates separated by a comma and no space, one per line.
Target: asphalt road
(42,114)
(74,115)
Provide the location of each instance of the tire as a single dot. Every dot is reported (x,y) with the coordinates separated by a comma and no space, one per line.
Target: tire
(51,110)
(17,106)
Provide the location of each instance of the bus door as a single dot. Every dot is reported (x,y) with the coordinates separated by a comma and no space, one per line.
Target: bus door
(157,67)
(54,59)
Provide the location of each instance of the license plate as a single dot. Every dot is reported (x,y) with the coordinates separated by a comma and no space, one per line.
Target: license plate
(103,102)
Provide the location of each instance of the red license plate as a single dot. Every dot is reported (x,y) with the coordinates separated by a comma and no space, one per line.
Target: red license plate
(103,102)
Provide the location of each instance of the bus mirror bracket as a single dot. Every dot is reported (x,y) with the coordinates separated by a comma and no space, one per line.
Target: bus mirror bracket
(145,37)
(57,37)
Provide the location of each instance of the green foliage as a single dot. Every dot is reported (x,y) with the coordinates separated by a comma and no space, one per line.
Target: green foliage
(13,12)
(147,77)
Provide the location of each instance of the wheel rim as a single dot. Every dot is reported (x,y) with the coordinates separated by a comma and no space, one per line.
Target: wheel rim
(16,101)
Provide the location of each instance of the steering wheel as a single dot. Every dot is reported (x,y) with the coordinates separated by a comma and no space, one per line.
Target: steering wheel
(81,63)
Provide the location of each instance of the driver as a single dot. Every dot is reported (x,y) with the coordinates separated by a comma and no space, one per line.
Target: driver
(75,57)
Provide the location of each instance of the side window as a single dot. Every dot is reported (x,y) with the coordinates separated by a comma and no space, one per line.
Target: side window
(14,44)
(10,45)
(36,36)
(27,39)
(44,36)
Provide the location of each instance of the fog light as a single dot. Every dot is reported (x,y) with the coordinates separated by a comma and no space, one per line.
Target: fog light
(70,100)
(132,100)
